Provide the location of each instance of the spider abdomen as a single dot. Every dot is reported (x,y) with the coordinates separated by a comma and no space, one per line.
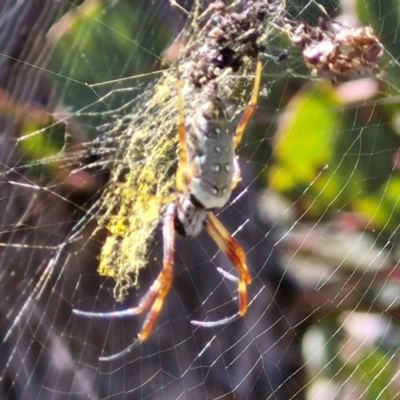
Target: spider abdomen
(211,160)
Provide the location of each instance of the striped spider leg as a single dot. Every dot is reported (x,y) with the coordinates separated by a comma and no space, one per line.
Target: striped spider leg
(207,173)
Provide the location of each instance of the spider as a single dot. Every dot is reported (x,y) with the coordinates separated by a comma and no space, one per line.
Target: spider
(207,172)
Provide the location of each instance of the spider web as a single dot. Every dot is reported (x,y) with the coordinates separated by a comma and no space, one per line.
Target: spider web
(89,113)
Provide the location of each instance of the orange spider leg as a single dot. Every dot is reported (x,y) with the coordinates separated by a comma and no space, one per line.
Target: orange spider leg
(245,120)
(145,303)
(163,282)
(182,141)
(155,296)
(250,107)
(234,252)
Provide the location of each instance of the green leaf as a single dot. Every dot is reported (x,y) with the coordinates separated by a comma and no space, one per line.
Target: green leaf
(305,138)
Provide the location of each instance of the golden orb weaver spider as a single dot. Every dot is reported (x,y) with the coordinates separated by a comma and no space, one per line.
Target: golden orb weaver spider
(207,172)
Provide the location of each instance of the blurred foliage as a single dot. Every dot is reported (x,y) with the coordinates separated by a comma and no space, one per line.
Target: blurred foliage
(303,144)
(335,151)
(336,146)
(99,44)
(332,155)
(375,373)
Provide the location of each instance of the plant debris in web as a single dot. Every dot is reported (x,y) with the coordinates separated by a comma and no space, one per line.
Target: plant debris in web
(335,47)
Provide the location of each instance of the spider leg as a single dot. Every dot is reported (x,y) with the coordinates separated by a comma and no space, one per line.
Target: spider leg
(236,173)
(154,298)
(121,353)
(250,107)
(164,279)
(144,304)
(238,258)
